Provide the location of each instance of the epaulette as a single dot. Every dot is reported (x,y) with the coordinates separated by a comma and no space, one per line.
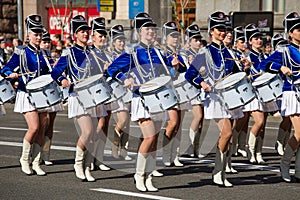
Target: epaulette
(19,49)
(66,52)
(281,48)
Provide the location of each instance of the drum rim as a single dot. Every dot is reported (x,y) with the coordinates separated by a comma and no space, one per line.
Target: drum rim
(156,87)
(255,82)
(33,81)
(231,86)
(78,85)
(42,88)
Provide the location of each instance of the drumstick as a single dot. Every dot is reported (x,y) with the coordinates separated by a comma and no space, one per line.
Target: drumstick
(257,74)
(145,84)
(221,79)
(236,60)
(22,74)
(173,55)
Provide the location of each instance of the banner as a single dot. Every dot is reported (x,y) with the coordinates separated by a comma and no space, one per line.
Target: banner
(59,14)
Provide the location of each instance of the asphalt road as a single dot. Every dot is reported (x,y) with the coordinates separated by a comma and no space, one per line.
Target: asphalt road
(193,181)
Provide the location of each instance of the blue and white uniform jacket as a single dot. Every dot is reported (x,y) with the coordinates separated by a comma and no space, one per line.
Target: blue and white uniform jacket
(76,63)
(170,56)
(213,58)
(256,58)
(289,56)
(26,59)
(142,64)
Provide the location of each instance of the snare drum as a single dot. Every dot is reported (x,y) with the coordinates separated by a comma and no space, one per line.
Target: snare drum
(92,91)
(64,93)
(268,87)
(7,92)
(43,92)
(158,94)
(185,91)
(118,90)
(128,96)
(235,90)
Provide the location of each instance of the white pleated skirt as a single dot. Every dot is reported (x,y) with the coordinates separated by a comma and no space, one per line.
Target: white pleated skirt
(213,108)
(75,109)
(101,111)
(253,105)
(22,104)
(290,105)
(138,111)
(122,106)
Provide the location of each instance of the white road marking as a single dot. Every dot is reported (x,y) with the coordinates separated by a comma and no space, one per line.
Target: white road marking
(133,194)
(18,129)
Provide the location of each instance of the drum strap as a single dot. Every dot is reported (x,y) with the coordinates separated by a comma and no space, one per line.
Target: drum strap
(162,60)
(235,60)
(136,62)
(47,61)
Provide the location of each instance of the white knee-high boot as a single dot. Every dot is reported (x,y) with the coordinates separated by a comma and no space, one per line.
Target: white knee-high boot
(229,168)
(242,144)
(99,152)
(175,150)
(285,163)
(46,151)
(139,176)
(218,174)
(297,166)
(251,145)
(167,144)
(88,160)
(259,145)
(36,156)
(150,167)
(79,162)
(235,136)
(25,157)
(279,146)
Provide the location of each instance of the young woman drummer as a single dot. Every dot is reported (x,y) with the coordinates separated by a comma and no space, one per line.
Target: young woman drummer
(33,64)
(217,68)
(193,36)
(75,63)
(144,63)
(286,60)
(257,109)
(172,134)
(45,48)
(121,133)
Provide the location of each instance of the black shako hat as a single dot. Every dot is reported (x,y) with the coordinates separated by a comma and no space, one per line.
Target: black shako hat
(238,33)
(228,23)
(46,35)
(116,32)
(216,20)
(276,40)
(192,31)
(34,23)
(291,21)
(78,23)
(98,24)
(250,31)
(143,20)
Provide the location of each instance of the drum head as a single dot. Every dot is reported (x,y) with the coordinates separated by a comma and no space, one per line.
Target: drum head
(230,80)
(264,78)
(180,79)
(88,81)
(155,84)
(39,82)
